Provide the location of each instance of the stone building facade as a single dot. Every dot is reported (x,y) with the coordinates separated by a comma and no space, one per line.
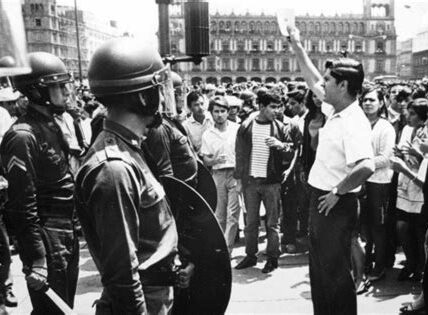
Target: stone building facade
(51,28)
(251,47)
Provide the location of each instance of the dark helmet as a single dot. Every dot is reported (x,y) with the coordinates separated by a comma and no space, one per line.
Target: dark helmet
(7,62)
(46,69)
(125,66)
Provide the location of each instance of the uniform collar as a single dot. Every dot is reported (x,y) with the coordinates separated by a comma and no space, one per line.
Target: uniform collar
(124,133)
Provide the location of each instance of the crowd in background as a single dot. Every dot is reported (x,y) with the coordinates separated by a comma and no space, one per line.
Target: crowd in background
(392,211)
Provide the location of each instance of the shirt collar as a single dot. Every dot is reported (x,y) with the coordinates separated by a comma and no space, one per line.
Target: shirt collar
(347,111)
(207,117)
(124,133)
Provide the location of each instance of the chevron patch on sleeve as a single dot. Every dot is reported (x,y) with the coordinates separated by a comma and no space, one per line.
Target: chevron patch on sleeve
(16,162)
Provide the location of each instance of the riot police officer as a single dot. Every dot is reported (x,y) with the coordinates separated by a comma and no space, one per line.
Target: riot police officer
(40,208)
(127,221)
(170,147)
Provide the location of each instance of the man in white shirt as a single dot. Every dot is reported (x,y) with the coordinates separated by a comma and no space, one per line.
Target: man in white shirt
(199,121)
(344,160)
(218,151)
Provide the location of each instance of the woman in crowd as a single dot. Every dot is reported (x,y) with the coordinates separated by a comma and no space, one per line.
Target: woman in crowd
(377,186)
(411,168)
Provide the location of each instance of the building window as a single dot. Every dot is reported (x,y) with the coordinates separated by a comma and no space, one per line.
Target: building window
(380,47)
(256,64)
(314,48)
(358,47)
(225,64)
(285,47)
(328,47)
(52,8)
(285,65)
(380,66)
(255,46)
(241,64)
(174,48)
(225,46)
(270,65)
(38,22)
(240,46)
(211,64)
(270,46)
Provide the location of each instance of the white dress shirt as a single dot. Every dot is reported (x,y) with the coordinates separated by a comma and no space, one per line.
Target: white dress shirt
(343,141)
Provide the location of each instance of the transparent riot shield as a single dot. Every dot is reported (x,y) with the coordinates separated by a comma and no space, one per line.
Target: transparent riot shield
(13,49)
(168,106)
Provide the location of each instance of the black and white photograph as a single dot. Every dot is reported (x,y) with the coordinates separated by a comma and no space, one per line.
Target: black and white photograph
(210,157)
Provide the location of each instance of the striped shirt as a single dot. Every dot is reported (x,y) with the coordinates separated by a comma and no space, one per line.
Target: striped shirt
(260,151)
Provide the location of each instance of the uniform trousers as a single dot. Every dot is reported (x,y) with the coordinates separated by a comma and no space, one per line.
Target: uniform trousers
(62,254)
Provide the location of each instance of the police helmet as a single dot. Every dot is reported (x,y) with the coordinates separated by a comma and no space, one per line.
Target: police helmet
(46,70)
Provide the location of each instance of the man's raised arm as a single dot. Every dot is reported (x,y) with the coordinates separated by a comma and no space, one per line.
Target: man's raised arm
(311,74)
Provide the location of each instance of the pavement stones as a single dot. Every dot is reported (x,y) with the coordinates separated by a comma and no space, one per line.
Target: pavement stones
(284,291)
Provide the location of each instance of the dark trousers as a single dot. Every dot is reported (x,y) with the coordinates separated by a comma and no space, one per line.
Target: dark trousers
(158,300)
(62,247)
(289,210)
(391,223)
(5,260)
(375,217)
(332,286)
(411,229)
(256,191)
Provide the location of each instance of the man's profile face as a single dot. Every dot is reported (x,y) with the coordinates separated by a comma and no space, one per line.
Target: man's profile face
(197,107)
(331,88)
(59,95)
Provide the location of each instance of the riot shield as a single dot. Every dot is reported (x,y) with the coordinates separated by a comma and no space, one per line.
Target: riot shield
(200,235)
(206,186)
(13,47)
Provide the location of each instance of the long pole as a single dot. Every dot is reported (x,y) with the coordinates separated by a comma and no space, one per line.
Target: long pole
(164,44)
(79,59)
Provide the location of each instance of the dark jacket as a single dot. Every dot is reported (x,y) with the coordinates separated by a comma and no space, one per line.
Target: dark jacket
(172,151)
(124,214)
(243,148)
(34,155)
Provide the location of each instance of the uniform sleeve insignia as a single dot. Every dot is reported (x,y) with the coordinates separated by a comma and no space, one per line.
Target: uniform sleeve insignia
(14,161)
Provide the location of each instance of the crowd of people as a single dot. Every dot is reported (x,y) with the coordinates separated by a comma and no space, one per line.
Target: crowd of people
(336,159)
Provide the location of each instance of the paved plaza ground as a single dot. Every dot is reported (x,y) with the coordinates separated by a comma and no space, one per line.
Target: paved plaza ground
(284,291)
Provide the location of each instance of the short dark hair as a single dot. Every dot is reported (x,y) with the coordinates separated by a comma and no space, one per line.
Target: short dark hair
(265,97)
(192,97)
(346,69)
(144,103)
(297,94)
(368,88)
(420,106)
(218,100)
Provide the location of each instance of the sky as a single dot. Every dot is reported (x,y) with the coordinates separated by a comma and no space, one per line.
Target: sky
(140,17)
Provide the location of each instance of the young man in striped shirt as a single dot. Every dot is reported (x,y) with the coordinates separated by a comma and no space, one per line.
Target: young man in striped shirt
(259,148)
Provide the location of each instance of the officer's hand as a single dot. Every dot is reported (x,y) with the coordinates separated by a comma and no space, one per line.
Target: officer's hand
(37,278)
(184,276)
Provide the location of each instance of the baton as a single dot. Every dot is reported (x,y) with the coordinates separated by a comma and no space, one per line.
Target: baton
(59,302)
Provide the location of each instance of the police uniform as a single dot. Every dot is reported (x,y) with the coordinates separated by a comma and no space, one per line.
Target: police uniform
(128,225)
(171,149)
(40,208)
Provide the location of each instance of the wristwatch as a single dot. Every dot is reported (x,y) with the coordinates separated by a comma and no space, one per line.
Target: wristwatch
(334,191)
